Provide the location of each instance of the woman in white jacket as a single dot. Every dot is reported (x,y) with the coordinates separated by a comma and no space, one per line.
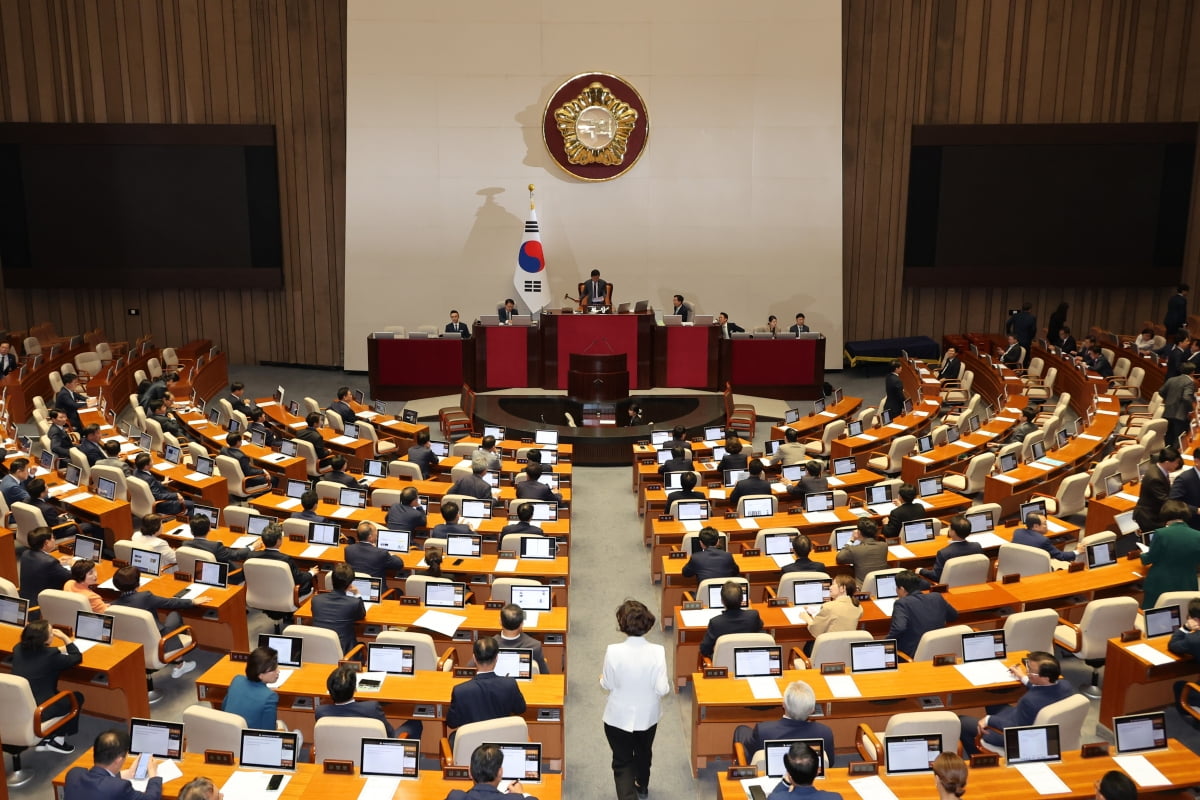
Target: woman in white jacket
(635,675)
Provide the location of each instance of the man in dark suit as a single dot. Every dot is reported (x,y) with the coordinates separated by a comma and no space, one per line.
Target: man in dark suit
(158,413)
(165,500)
(677,307)
(917,612)
(12,485)
(532,487)
(1010,355)
(312,435)
(236,397)
(686,490)
(1156,489)
(1023,326)
(199,526)
(272,538)
(407,515)
(337,474)
(340,609)
(70,400)
(454,326)
(1175,354)
(1034,535)
(678,462)
(308,505)
(951,367)
(710,562)
(60,440)
(678,439)
(893,388)
(341,684)
(1065,341)
(960,529)
(257,418)
(51,513)
(341,406)
(364,556)
(908,510)
(798,705)
(487,695)
(728,329)
(802,548)
(513,636)
(755,484)
(595,291)
(1179,398)
(799,326)
(39,569)
(506,313)
(487,453)
(8,361)
(1100,363)
(812,482)
(105,779)
(734,619)
(422,454)
(89,444)
(1176,316)
(126,580)
(522,525)
(255,476)
(1039,673)
(449,523)
(486,770)
(473,485)
(1185,641)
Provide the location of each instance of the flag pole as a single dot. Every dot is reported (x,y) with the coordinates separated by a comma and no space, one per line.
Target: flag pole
(531,197)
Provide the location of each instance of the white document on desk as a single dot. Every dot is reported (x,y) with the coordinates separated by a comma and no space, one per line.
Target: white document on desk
(896,426)
(83,645)
(821,517)
(873,788)
(1054,527)
(284,674)
(698,617)
(196,476)
(379,787)
(252,784)
(748,523)
(315,550)
(885,605)
(987,540)
(900,551)
(985,673)
(1148,653)
(793,613)
(866,437)
(194,592)
(763,782)
(274,458)
(692,525)
(782,559)
(1144,773)
(343,440)
(779,488)
(290,503)
(440,622)
(531,618)
(842,686)
(965,445)
(716,494)
(218,437)
(1126,496)
(142,581)
(298,425)
(506,565)
(343,512)
(76,498)
(244,541)
(764,687)
(181,531)
(921,459)
(1006,478)
(835,482)
(1043,779)
(164,466)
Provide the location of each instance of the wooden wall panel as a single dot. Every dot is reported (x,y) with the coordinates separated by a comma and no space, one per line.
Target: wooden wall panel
(997,61)
(276,62)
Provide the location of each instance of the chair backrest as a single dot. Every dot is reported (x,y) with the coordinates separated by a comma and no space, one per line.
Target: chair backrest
(137,625)
(114,474)
(231,471)
(384,498)
(269,585)
(211,729)
(502,587)
(1121,368)
(59,606)
(170,358)
(1102,620)
(1036,365)
(473,734)
(702,591)
(943,640)
(236,516)
(1071,497)
(1021,559)
(834,647)
(788,578)
(414,585)
(306,451)
(156,434)
(833,430)
(16,725)
(9,589)
(1031,630)
(32,346)
(870,580)
(1068,714)
(1129,457)
(967,570)
(723,649)
(1095,538)
(154,367)
(512,541)
(186,558)
(760,537)
(868,416)
(80,460)
(914,722)
(141,499)
(321,645)
(460,470)
(334,420)
(901,447)
(404,469)
(1028,442)
(425,655)
(328,491)
(340,738)
(28,519)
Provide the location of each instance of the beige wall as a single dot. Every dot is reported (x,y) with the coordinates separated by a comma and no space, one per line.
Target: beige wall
(736,203)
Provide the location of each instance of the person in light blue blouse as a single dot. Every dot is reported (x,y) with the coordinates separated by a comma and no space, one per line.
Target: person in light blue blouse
(249,695)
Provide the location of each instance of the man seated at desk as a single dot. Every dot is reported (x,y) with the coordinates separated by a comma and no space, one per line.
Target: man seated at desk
(89,444)
(449,523)
(1034,535)
(866,552)
(486,695)
(711,561)
(728,328)
(679,309)
(801,768)
(339,610)
(792,451)
(802,547)
(532,487)
(272,538)
(255,476)
(917,612)
(364,556)
(798,705)
(308,507)
(678,462)
(1185,641)
(337,474)
(454,326)
(906,510)
(70,399)
(960,529)
(510,308)
(236,398)
(112,457)
(486,770)
(522,525)
(199,526)
(1011,354)
(8,359)
(686,490)
(512,635)
(257,418)
(341,685)
(474,485)
(678,439)
(13,485)
(312,435)
(422,455)
(951,367)
(341,406)
(39,569)
(60,440)
(406,515)
(1040,673)
(126,580)
(800,326)
(595,292)
(105,779)
(487,453)
(812,482)
(755,484)
(158,413)
(733,619)
(166,501)
(1027,425)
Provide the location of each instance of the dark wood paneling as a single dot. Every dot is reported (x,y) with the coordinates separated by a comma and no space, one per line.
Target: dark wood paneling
(922,62)
(261,62)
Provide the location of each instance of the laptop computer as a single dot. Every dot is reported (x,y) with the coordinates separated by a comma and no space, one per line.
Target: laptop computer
(522,762)
(14,610)
(774,751)
(515,662)
(93,627)
(1032,507)
(369,589)
(290,649)
(874,656)
(159,738)
(148,562)
(841,537)
(663,456)
(446,595)
(106,488)
(672,320)
(1029,744)
(917,530)
(532,598)
(844,466)
(352,498)
(881,494)
(325,533)
(394,541)
(211,573)
(464,545)
(854,428)
(1161,621)
(659,438)
(88,548)
(394,659)
(755,662)
(1140,733)
(814,502)
(544,510)
(714,595)
(983,646)
(1008,462)
(257,523)
(810,593)
(758,506)
(722,543)
(390,758)
(714,433)
(543,547)
(409,415)
(1125,522)
(929,486)
(268,749)
(691,510)
(1101,554)
(911,753)
(296,488)
(211,513)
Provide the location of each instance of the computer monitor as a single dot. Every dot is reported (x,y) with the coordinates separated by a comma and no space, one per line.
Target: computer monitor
(409,415)
(394,541)
(981,521)
(663,456)
(287,448)
(1101,554)
(1009,461)
(1161,621)
(908,406)
(983,646)
(204,465)
(757,506)
(714,595)
(1062,438)
(325,533)
(214,415)
(544,510)
(290,649)
(496,431)
(1032,507)
(691,510)
(1037,451)
(924,444)
(352,498)
(880,493)
(732,476)
(854,428)
(394,659)
(522,761)
(89,548)
(884,418)
(491,479)
(659,438)
(793,472)
(268,749)
(211,573)
(94,627)
(148,562)
(791,415)
(350,429)
(810,593)
(440,449)
(210,513)
(911,753)
(369,589)
(514,662)
(145,442)
(296,489)
(545,438)
(465,545)
(373,468)
(973,424)
(844,466)
(1140,733)
(390,758)
(775,750)
(672,481)
(532,598)
(1113,484)
(106,488)
(771,447)
(842,537)
(235,425)
(476,509)
(952,434)
(543,547)
(47,460)
(714,433)
(929,486)
(73,474)
(14,610)
(777,544)
(885,586)
(876,655)
(293,408)
(816,501)
(917,530)
(446,595)
(360,396)
(257,523)
(1027,744)
(157,737)
(755,662)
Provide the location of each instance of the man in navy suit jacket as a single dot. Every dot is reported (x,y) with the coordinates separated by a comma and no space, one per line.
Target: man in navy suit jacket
(342,683)
(105,780)
(1040,674)
(798,704)
(364,556)
(916,612)
(89,444)
(486,763)
(960,529)
(734,619)
(338,610)
(1186,487)
(341,406)
(1034,535)
(487,695)
(407,515)
(710,562)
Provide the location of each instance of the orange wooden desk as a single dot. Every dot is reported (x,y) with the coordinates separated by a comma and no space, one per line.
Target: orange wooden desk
(1133,684)
(880,439)
(810,425)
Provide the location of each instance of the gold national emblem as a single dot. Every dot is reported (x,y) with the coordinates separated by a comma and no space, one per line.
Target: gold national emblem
(596,126)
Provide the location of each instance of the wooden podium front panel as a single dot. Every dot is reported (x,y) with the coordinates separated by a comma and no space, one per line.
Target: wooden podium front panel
(686,357)
(507,357)
(405,369)
(601,334)
(793,368)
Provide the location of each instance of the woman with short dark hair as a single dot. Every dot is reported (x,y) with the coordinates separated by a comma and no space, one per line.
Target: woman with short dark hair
(249,696)
(39,661)
(635,676)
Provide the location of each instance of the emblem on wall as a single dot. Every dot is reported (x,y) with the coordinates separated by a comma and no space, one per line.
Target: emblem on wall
(595,126)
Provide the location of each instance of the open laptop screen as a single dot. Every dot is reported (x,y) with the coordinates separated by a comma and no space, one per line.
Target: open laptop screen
(1031,743)
(394,659)
(204,465)
(522,761)
(157,737)
(1034,507)
(14,610)
(732,476)
(691,509)
(395,758)
(873,656)
(544,547)
(659,438)
(981,521)
(106,488)
(288,648)
(94,627)
(793,472)
(148,562)
(323,533)
(844,466)
(775,749)
(885,586)
(777,544)
(515,662)
(295,488)
(352,498)
(879,493)
(531,598)
(758,506)
(672,481)
(928,487)
(1008,461)
(1137,733)
(842,537)
(810,593)
(1101,554)
(209,512)
(983,646)
(817,501)
(464,544)
(754,662)
(791,415)
(268,749)
(73,474)
(89,548)
(714,595)
(911,753)
(854,428)
(394,541)
(545,438)
(373,468)
(1161,621)
(211,573)
(476,509)
(917,530)
(257,523)
(495,431)
(440,449)
(544,510)
(446,595)
(369,589)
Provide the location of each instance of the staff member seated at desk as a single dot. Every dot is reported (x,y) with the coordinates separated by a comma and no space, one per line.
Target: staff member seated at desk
(734,619)
(813,481)
(907,510)
(454,326)
(687,490)
(865,552)
(364,556)
(917,612)
(533,489)
(13,485)
(249,696)
(126,581)
(105,780)
(728,329)
(486,764)
(236,398)
(512,635)
(39,569)
(798,705)
(792,451)
(1034,535)
(199,526)
(486,695)
(678,439)
(407,515)
(802,547)
(1039,672)
(960,529)
(473,485)
(755,484)
(341,685)
(711,561)
(522,525)
(487,452)
(165,500)
(60,440)
(89,444)
(802,766)
(39,661)
(422,454)
(506,313)
(255,476)
(449,523)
